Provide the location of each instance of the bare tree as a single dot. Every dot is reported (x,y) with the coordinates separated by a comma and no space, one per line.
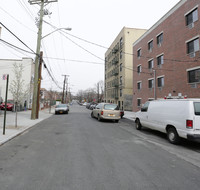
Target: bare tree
(17,89)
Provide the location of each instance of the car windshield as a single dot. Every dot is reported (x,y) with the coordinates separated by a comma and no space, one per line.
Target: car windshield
(197,108)
(111,107)
(61,106)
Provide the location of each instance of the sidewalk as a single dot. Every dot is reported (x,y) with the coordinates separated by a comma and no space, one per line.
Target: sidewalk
(24,122)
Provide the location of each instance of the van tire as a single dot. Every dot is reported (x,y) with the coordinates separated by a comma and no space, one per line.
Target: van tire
(138,124)
(173,136)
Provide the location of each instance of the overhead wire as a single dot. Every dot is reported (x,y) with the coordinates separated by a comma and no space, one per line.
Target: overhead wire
(17,20)
(17,37)
(27,10)
(132,54)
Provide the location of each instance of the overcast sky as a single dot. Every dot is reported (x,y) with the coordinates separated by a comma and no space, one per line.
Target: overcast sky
(98,22)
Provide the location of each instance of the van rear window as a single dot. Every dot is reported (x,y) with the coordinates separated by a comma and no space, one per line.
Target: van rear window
(197,108)
(111,107)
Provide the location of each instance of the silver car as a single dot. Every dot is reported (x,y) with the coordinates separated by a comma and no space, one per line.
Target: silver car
(62,108)
(106,111)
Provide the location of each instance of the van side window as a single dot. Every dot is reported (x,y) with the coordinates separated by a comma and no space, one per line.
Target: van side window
(145,107)
(197,108)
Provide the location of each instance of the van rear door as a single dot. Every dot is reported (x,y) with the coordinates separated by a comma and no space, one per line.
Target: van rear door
(197,115)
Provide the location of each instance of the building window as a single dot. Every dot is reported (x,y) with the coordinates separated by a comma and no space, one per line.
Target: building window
(151,84)
(192,47)
(120,80)
(120,92)
(139,85)
(121,43)
(160,81)
(194,76)
(139,53)
(120,67)
(160,60)
(150,64)
(159,39)
(150,45)
(139,68)
(120,54)
(139,102)
(191,18)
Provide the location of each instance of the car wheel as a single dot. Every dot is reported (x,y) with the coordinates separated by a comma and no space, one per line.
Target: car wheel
(92,115)
(99,119)
(138,124)
(173,136)
(67,112)
(116,121)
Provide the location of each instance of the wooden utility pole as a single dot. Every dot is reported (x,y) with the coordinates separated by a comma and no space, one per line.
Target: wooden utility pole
(63,94)
(39,84)
(36,74)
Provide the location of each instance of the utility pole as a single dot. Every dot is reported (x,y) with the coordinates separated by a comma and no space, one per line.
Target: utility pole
(63,94)
(36,74)
(39,85)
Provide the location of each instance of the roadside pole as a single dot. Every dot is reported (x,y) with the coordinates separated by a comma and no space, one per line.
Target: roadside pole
(35,89)
(39,85)
(36,74)
(4,123)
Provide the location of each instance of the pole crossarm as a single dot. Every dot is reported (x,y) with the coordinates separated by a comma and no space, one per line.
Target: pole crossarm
(32,2)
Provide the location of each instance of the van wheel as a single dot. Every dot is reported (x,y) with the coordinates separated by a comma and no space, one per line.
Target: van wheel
(138,124)
(173,136)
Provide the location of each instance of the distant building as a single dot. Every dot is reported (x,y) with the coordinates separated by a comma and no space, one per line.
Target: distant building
(6,67)
(167,56)
(118,68)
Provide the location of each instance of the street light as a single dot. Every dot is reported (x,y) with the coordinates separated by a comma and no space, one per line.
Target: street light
(55,31)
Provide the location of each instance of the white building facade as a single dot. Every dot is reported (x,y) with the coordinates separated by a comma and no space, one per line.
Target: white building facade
(7,68)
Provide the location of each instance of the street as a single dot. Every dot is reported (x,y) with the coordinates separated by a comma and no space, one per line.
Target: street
(76,152)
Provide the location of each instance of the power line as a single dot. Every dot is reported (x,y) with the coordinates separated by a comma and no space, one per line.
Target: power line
(16,37)
(17,20)
(15,47)
(72,60)
(146,57)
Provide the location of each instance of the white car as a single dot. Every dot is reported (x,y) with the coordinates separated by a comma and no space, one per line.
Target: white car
(175,117)
(106,111)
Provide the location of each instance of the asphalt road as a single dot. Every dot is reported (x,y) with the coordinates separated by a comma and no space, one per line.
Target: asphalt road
(76,152)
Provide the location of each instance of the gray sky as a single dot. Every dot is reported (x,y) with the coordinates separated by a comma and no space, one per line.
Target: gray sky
(95,21)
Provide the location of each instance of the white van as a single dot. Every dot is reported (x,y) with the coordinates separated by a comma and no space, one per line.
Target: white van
(176,117)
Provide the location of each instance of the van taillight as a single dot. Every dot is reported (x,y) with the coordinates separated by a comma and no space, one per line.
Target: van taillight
(101,112)
(189,124)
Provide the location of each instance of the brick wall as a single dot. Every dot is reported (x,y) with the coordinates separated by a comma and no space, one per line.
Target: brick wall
(176,60)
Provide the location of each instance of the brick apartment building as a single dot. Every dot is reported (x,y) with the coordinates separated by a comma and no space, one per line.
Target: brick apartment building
(166,59)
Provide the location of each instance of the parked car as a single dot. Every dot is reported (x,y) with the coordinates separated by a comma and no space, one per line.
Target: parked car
(84,104)
(106,111)
(10,105)
(176,117)
(62,108)
(92,106)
